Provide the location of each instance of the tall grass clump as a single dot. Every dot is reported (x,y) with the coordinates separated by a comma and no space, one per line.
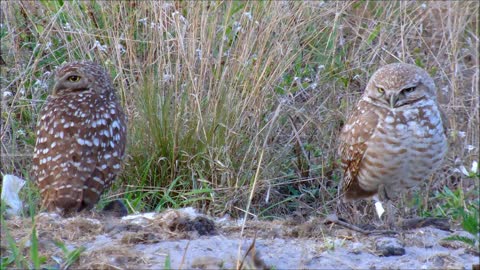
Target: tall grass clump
(235,101)
(207,99)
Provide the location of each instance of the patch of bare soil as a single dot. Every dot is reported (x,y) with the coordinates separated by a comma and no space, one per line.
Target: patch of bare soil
(184,239)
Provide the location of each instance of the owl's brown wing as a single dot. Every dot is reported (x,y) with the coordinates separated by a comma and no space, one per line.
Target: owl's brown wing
(118,142)
(445,122)
(110,135)
(353,145)
(63,157)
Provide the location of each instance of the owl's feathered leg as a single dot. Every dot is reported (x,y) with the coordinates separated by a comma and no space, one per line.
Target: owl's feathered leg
(378,206)
(388,219)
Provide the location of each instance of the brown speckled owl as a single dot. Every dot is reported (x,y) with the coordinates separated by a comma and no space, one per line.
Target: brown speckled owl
(395,137)
(81,137)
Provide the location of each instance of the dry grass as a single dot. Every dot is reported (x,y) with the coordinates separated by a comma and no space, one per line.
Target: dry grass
(201,82)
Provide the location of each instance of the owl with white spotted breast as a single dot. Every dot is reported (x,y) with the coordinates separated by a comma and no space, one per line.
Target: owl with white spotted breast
(81,138)
(395,137)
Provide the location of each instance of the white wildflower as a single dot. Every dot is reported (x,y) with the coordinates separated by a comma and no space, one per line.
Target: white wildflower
(464,170)
(167,77)
(67,27)
(99,46)
(7,94)
(236,27)
(40,84)
(121,48)
(445,89)
(474,168)
(248,15)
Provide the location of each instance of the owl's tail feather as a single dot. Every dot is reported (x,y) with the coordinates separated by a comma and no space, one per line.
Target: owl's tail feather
(63,199)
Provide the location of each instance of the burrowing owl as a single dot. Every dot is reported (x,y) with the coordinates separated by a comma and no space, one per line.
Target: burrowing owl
(81,137)
(395,138)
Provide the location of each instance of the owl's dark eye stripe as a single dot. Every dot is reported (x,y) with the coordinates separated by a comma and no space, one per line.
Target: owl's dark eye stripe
(408,90)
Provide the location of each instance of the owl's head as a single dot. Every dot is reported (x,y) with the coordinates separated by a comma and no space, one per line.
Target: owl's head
(399,84)
(77,77)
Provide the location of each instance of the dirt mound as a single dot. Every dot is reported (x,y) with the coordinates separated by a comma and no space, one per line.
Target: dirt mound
(185,239)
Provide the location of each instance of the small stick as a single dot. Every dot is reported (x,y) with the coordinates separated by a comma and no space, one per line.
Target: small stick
(250,248)
(334,219)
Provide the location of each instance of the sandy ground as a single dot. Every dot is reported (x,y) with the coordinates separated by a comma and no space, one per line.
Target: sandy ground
(183,239)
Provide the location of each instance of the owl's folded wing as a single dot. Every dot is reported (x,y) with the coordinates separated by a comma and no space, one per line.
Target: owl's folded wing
(353,144)
(63,157)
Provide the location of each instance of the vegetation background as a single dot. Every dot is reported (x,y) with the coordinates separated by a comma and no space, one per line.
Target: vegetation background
(235,107)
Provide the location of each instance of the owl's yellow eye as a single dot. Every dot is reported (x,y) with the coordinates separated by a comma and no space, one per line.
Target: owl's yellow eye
(74,78)
(380,90)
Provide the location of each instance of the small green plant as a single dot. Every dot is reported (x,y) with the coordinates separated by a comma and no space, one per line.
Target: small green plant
(461,209)
(168,262)
(21,261)
(70,256)
(37,260)
(33,259)
(14,255)
(471,225)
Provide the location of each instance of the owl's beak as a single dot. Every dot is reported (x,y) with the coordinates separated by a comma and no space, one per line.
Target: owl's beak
(393,100)
(56,88)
